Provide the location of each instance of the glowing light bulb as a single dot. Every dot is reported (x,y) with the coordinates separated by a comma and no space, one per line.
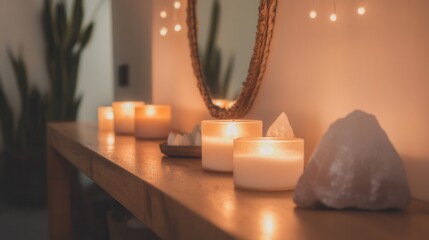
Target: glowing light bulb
(177,4)
(333,17)
(163,14)
(313,14)
(177,27)
(163,31)
(361,10)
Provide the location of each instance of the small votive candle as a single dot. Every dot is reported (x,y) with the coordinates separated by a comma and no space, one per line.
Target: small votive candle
(270,164)
(152,121)
(218,139)
(105,119)
(123,116)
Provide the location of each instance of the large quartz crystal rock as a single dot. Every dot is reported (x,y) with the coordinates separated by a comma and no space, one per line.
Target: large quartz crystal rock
(354,166)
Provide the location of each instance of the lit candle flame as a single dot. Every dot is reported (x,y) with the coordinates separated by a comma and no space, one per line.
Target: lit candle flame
(109,115)
(128,109)
(231,130)
(266,150)
(150,111)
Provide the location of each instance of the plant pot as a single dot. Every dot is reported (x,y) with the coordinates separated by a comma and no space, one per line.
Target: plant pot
(25,179)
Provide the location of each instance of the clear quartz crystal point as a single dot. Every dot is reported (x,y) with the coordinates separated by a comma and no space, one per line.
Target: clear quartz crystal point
(281,128)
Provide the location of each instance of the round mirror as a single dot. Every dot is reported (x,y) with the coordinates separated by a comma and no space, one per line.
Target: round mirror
(229,51)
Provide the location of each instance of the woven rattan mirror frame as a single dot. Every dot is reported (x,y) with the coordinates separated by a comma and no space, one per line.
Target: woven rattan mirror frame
(264,32)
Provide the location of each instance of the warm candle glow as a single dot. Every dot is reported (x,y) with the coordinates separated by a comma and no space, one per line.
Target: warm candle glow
(127,109)
(313,14)
(124,116)
(150,111)
(266,163)
(268,224)
(106,138)
(231,131)
(110,139)
(152,121)
(218,138)
(105,119)
(266,150)
(109,116)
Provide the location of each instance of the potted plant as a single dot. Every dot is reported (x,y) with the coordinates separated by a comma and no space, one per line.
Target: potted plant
(23,141)
(24,160)
(65,39)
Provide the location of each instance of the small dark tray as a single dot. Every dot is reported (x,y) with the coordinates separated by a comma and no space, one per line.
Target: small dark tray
(180,151)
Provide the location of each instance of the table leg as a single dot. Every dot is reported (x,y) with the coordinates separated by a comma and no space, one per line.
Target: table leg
(59,196)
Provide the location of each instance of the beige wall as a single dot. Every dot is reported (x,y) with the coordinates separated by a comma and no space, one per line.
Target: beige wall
(319,71)
(96,66)
(173,81)
(132,26)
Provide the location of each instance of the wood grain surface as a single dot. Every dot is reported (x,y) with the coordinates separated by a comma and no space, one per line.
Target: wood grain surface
(177,199)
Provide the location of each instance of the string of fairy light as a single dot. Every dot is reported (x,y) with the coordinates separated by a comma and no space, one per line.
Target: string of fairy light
(165,14)
(174,10)
(361,10)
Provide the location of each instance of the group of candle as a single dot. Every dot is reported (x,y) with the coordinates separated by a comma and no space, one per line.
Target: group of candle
(136,118)
(260,163)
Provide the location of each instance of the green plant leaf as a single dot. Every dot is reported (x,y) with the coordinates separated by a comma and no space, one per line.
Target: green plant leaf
(227,77)
(86,36)
(76,23)
(211,42)
(63,61)
(21,76)
(73,73)
(7,120)
(47,27)
(61,17)
(75,107)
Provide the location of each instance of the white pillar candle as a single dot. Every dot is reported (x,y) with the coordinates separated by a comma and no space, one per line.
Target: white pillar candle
(218,138)
(152,121)
(105,119)
(271,164)
(123,116)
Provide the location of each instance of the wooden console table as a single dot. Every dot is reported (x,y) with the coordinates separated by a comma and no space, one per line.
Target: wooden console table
(177,199)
